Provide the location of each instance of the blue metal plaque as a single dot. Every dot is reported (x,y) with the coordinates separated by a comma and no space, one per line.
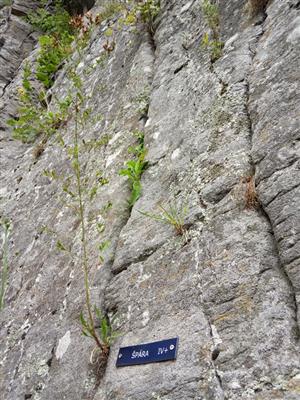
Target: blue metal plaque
(164,350)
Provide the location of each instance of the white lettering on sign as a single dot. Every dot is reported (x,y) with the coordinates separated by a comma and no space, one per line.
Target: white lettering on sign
(162,350)
(139,354)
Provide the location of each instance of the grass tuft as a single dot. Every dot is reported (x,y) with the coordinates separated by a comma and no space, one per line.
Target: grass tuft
(171,214)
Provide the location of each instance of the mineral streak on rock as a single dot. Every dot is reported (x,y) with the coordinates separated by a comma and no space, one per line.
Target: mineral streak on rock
(230,287)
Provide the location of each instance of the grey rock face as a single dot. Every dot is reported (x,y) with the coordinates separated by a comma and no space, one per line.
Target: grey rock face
(17,40)
(230,288)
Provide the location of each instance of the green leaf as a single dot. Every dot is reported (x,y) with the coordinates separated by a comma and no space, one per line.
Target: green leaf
(104,245)
(60,246)
(109,32)
(93,192)
(100,227)
(104,330)
(82,320)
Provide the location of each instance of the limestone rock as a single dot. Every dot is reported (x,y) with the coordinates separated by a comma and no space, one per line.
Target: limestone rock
(230,288)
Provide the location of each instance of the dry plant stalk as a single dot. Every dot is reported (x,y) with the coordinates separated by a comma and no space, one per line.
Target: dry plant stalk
(251,198)
(38,150)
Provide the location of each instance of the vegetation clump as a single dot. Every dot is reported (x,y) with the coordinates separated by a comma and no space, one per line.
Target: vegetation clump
(135,168)
(173,214)
(60,30)
(35,118)
(55,43)
(34,115)
(144,11)
(148,11)
(105,336)
(211,41)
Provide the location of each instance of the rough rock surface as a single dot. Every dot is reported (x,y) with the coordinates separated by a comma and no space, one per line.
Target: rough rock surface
(230,290)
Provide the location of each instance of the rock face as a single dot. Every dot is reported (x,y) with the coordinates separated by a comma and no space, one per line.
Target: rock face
(230,288)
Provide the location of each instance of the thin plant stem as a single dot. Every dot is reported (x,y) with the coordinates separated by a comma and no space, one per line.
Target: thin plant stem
(77,171)
(5,264)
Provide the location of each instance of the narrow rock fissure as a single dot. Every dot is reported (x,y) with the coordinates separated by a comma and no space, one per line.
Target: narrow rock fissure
(151,41)
(16,370)
(142,257)
(181,67)
(50,359)
(290,164)
(284,273)
(281,193)
(262,209)
(150,38)
(16,71)
(215,343)
(215,354)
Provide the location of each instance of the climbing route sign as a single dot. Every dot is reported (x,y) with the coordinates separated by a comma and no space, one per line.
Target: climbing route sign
(164,350)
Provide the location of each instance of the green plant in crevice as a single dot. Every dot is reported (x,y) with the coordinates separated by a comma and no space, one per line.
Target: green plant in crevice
(53,51)
(107,334)
(55,44)
(102,335)
(89,323)
(27,125)
(34,116)
(173,214)
(105,331)
(50,22)
(139,149)
(134,168)
(4,270)
(78,190)
(145,11)
(211,41)
(211,15)
(63,35)
(148,11)
(214,46)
